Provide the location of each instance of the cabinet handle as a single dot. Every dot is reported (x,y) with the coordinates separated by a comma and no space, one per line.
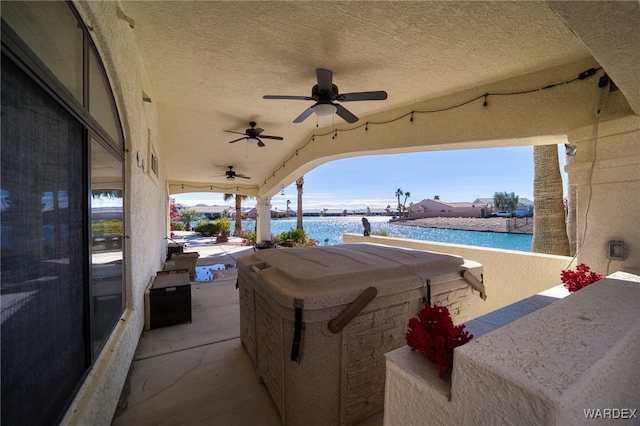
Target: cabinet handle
(168,289)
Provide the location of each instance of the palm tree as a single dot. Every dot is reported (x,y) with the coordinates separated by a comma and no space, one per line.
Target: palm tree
(299,184)
(239,198)
(549,225)
(404,203)
(399,193)
(188,216)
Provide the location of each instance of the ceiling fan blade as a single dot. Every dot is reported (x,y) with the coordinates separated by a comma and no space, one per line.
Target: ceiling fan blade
(231,131)
(258,130)
(241,176)
(363,96)
(307,112)
(272,137)
(295,98)
(325,80)
(260,143)
(345,114)
(236,140)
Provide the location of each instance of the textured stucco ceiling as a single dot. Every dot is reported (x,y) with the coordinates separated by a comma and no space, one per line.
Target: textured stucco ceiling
(210,63)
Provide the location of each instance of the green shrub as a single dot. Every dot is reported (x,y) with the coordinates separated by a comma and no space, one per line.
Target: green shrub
(380,233)
(177,226)
(208,228)
(295,238)
(224,223)
(248,238)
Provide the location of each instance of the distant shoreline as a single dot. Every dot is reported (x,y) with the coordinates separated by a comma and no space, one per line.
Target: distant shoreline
(491,224)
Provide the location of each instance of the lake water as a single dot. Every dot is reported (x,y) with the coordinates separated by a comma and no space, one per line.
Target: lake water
(329,230)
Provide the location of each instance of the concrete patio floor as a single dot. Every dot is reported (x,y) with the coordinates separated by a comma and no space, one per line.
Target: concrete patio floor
(198,373)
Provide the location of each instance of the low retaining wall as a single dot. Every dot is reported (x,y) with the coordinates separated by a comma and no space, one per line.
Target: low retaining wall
(571,362)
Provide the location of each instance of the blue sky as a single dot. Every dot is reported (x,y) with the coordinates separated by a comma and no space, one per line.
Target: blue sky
(371,181)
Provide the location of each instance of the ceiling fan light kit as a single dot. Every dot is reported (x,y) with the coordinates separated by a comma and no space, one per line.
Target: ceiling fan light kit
(324,110)
(325,93)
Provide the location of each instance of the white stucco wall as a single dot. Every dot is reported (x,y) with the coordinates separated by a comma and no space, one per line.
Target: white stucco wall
(145,210)
(509,276)
(606,174)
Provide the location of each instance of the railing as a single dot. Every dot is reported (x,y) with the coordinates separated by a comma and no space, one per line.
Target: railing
(509,276)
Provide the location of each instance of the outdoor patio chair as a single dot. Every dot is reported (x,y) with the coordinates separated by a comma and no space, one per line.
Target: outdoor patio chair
(186,261)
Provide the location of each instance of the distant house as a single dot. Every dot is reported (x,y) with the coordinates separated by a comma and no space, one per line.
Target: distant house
(283,213)
(213,212)
(312,213)
(379,212)
(486,201)
(437,208)
(275,214)
(244,211)
(524,207)
(334,212)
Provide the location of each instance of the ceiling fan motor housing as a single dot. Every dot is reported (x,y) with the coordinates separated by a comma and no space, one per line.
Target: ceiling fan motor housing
(321,96)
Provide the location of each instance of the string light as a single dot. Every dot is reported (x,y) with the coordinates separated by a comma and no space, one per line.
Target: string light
(211,187)
(582,76)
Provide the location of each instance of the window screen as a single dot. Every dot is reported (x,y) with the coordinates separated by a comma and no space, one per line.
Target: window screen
(43,290)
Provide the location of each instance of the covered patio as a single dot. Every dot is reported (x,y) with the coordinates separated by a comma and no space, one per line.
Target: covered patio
(111,107)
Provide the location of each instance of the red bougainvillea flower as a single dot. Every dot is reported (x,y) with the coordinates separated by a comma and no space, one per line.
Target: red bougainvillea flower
(433,335)
(580,278)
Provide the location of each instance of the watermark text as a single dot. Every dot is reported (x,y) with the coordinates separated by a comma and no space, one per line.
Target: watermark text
(610,413)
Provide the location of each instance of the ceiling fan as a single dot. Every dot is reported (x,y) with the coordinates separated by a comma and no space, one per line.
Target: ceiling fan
(325,93)
(231,174)
(253,135)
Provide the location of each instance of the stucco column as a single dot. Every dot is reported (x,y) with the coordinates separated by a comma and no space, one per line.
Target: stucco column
(263,219)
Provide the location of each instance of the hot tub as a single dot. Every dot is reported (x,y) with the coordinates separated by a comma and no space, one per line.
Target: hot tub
(317,321)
